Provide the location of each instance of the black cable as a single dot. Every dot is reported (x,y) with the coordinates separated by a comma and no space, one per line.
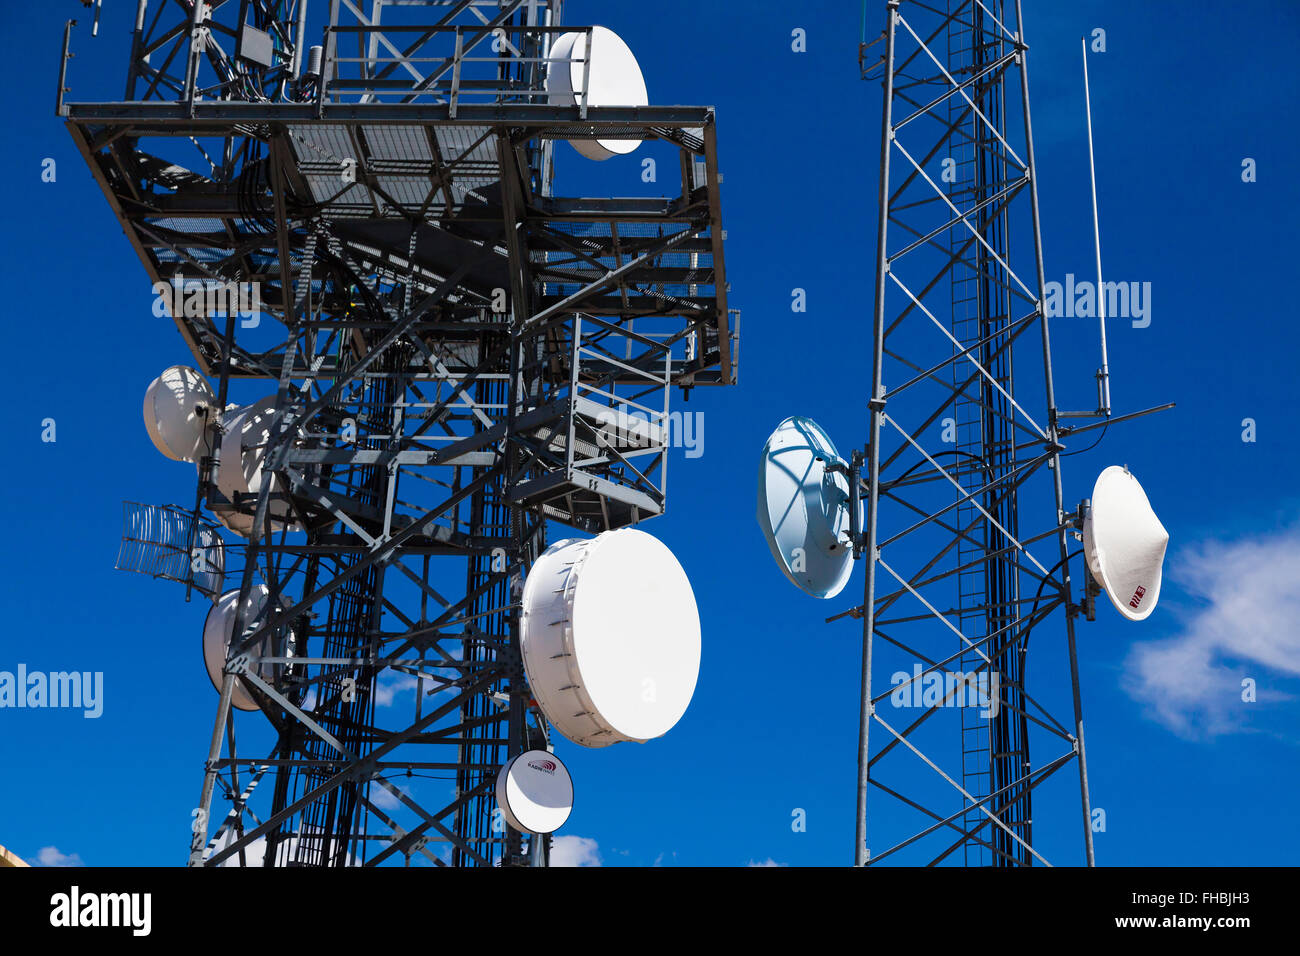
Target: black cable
(1080,451)
(1047,577)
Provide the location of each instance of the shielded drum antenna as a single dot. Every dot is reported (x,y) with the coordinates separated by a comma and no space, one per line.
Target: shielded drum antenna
(602,73)
(610,636)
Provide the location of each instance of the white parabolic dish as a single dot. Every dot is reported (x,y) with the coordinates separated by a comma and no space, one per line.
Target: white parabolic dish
(1125,543)
(217,629)
(173,405)
(803,509)
(610,636)
(535,792)
(614,80)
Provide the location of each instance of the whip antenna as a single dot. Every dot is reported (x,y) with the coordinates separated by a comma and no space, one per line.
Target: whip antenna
(1103,375)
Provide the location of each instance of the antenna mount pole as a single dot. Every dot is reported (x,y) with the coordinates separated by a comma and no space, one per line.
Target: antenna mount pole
(861,855)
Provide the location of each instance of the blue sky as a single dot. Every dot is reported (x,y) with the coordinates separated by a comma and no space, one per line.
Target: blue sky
(1186,772)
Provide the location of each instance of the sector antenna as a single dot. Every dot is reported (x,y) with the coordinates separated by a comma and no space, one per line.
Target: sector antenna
(406,346)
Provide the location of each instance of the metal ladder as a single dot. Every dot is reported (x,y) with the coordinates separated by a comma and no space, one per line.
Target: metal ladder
(969,429)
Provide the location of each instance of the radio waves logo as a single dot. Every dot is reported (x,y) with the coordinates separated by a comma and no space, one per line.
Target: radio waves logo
(545,766)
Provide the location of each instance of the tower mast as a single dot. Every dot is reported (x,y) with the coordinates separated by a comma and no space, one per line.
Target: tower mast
(444,339)
(965,558)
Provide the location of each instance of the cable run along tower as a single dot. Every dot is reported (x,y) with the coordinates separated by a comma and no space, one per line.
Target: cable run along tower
(444,348)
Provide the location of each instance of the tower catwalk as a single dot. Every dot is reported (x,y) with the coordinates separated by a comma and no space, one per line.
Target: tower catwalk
(443,341)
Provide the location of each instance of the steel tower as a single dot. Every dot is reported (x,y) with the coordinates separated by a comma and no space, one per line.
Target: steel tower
(447,341)
(962,471)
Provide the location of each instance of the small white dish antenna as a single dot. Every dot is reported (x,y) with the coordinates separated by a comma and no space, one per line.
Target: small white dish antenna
(217,630)
(610,635)
(175,412)
(247,432)
(804,507)
(535,792)
(1124,543)
(613,79)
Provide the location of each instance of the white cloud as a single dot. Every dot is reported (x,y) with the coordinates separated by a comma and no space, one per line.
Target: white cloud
(768,862)
(255,852)
(384,798)
(51,856)
(394,686)
(574,851)
(1246,628)
(391,686)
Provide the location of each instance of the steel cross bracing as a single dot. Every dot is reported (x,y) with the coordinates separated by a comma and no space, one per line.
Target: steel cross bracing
(457,356)
(962,469)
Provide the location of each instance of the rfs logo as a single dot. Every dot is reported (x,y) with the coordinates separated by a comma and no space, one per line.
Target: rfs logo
(1137,596)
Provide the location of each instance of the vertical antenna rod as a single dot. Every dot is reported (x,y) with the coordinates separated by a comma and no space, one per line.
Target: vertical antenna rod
(1103,376)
